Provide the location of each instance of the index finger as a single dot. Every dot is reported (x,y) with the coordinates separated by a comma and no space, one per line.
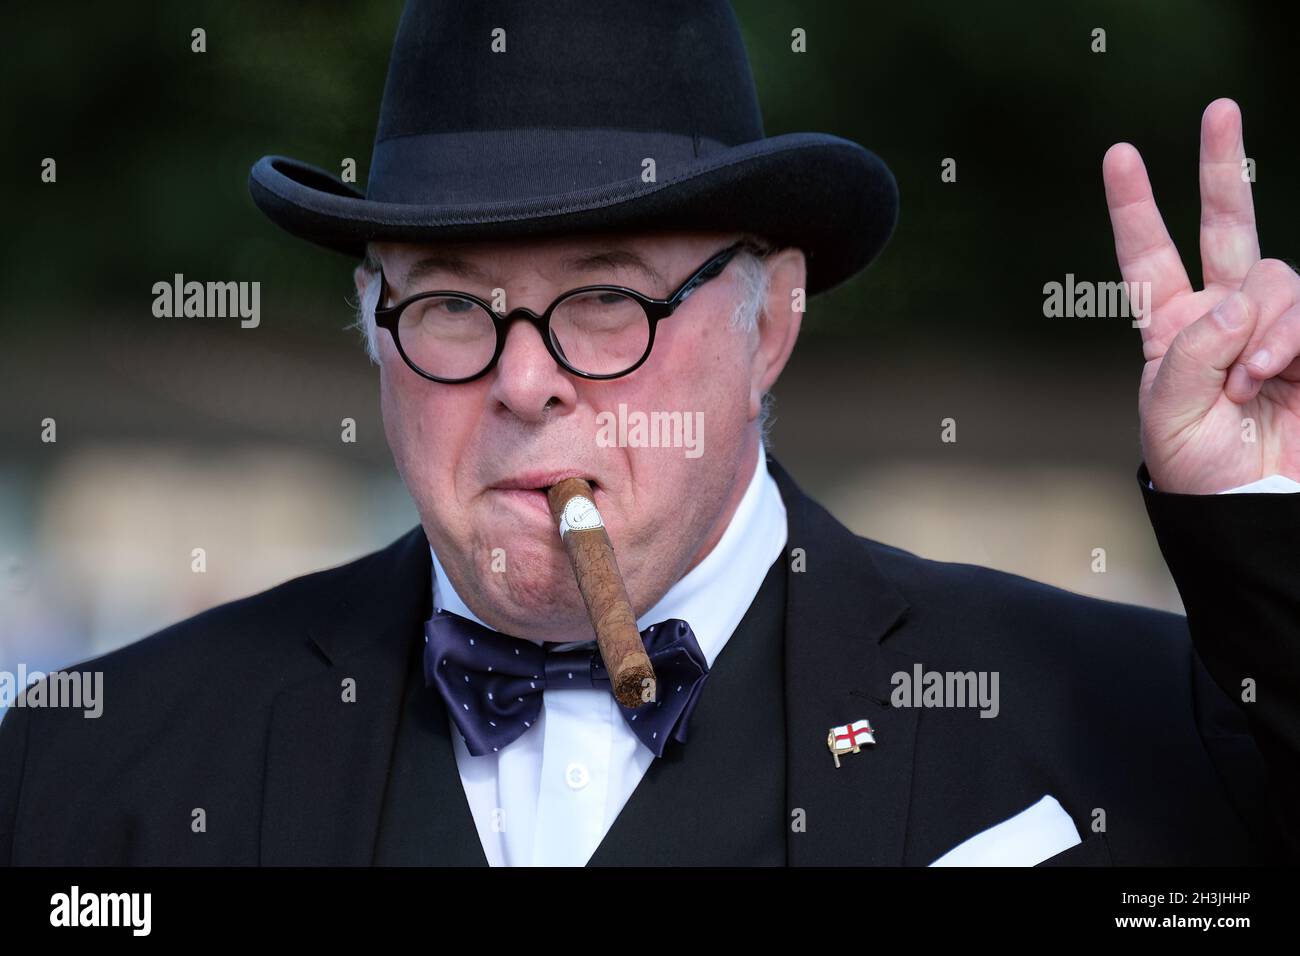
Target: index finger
(1142,243)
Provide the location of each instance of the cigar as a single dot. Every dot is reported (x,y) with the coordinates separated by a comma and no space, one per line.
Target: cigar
(573,506)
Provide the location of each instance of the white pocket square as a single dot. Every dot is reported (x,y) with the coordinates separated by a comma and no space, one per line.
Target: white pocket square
(1026,839)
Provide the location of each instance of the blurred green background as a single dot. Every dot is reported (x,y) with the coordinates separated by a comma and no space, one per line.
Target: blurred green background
(180,433)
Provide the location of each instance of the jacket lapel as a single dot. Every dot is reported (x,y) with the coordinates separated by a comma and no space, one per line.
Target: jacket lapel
(839,609)
(720,799)
(328,759)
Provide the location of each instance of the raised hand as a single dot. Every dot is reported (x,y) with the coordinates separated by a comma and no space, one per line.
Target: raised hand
(1222,364)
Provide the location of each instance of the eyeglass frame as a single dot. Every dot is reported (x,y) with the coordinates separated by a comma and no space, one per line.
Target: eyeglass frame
(656,310)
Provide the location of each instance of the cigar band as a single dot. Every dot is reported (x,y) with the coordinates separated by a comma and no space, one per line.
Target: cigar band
(579,514)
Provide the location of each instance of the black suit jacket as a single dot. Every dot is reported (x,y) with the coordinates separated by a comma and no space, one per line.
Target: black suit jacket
(239,712)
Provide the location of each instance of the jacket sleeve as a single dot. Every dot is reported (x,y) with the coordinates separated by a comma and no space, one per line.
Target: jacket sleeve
(13,761)
(1236,561)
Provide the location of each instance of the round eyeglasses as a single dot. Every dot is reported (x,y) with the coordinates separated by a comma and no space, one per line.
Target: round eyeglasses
(595,331)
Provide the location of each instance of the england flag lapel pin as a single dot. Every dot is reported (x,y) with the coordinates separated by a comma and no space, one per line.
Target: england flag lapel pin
(849,738)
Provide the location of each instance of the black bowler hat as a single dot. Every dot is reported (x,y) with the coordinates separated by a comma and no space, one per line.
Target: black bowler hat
(526,119)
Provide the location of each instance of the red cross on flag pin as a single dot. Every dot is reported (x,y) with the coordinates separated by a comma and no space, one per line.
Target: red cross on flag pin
(849,738)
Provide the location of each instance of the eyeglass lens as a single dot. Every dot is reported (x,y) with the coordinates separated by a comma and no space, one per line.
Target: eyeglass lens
(599,332)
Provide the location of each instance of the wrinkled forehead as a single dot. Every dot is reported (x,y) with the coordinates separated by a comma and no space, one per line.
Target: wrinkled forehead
(651,261)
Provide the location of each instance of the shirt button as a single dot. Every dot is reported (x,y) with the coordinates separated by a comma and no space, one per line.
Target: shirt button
(576,775)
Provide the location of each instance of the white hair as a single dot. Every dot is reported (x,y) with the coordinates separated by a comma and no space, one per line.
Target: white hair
(751,276)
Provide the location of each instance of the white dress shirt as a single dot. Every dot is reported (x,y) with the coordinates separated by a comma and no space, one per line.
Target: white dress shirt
(1273,484)
(1268,485)
(550,796)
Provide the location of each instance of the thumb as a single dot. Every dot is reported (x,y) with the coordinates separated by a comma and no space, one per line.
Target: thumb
(1195,368)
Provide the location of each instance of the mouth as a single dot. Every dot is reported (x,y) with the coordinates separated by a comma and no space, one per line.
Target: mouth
(528,491)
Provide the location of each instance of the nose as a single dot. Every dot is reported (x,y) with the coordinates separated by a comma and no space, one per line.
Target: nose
(527,379)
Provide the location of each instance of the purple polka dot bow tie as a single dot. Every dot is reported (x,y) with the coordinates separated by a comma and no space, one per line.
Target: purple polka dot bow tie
(492,683)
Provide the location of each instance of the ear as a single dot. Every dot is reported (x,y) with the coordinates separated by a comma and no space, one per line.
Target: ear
(366,270)
(778,323)
(359,278)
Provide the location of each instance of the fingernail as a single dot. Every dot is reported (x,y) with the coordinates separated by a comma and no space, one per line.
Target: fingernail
(1231,312)
(1239,380)
(1260,360)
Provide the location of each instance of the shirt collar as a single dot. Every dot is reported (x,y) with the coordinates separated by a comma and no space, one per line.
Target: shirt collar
(735,567)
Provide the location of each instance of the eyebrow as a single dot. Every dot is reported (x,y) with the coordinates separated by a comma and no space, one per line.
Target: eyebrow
(452,265)
(464,269)
(613,259)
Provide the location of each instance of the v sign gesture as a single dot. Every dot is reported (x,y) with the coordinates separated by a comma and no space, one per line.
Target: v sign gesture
(1219,400)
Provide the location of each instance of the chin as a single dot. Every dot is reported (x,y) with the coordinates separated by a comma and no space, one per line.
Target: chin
(537,588)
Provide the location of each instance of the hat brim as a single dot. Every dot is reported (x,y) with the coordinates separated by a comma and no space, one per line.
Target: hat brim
(831,197)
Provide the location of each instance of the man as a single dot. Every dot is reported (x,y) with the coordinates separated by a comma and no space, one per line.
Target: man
(438,702)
